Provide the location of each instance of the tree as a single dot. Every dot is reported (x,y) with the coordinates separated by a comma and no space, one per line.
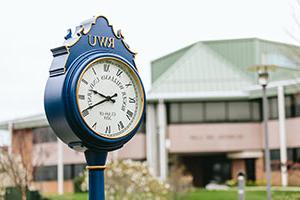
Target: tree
(15,170)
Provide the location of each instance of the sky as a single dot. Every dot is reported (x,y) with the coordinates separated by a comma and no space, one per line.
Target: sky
(29,29)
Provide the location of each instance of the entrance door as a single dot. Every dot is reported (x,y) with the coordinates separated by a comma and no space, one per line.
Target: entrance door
(206,169)
(250,169)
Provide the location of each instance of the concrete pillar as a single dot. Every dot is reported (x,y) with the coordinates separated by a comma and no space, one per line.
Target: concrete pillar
(10,132)
(282,136)
(151,139)
(60,167)
(162,130)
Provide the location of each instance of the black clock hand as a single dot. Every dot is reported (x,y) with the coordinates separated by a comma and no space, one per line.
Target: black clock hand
(96,92)
(110,97)
(106,97)
(100,102)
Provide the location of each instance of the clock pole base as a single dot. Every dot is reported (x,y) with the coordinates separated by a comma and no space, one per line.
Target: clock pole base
(96,165)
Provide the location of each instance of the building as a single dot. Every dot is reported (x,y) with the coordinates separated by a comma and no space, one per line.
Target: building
(204,110)
(33,138)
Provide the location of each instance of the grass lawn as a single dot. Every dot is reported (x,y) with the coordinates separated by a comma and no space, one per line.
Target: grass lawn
(232,195)
(208,195)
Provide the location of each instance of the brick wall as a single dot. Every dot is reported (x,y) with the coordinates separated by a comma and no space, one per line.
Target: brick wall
(22,145)
(238,165)
(50,187)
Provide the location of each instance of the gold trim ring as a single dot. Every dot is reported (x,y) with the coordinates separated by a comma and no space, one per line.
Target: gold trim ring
(96,167)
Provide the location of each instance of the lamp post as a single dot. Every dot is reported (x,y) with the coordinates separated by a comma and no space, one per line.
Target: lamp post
(263,78)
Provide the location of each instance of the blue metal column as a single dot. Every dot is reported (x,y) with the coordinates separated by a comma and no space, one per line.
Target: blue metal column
(96,165)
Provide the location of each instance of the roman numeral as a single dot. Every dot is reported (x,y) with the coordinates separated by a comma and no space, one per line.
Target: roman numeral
(128,84)
(85,113)
(82,97)
(129,114)
(94,125)
(106,67)
(84,81)
(119,72)
(94,71)
(107,129)
(131,100)
(120,125)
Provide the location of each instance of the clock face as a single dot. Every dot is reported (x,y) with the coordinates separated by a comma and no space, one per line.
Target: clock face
(110,97)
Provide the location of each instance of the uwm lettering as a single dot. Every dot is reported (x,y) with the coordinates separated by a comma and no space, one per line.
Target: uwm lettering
(107,42)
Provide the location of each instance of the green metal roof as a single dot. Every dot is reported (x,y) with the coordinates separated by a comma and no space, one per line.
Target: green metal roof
(220,67)
(160,65)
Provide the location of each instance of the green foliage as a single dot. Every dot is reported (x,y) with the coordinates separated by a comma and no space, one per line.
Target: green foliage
(129,180)
(79,182)
(231,182)
(251,183)
(133,180)
(206,195)
(180,181)
(232,195)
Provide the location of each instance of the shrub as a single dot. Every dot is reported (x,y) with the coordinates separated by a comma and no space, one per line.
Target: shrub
(180,181)
(129,180)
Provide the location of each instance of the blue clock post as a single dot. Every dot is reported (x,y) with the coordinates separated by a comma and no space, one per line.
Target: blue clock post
(94,98)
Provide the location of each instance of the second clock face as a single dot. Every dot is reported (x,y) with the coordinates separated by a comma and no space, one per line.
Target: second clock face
(110,97)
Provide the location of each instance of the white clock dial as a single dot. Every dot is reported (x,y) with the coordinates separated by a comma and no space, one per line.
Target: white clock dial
(110,97)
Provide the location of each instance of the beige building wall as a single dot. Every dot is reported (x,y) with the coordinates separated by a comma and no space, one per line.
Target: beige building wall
(229,137)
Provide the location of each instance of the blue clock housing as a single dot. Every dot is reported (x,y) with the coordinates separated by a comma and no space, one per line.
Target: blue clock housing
(93,39)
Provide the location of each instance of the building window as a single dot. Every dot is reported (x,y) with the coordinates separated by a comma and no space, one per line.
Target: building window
(297,155)
(275,154)
(215,111)
(239,111)
(45,173)
(192,112)
(273,108)
(72,171)
(289,107)
(293,157)
(297,105)
(256,110)
(43,135)
(49,173)
(174,112)
(226,111)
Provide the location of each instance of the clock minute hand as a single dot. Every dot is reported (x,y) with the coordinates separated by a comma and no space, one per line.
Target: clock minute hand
(100,102)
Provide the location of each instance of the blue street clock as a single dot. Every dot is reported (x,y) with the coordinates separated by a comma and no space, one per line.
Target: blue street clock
(94,97)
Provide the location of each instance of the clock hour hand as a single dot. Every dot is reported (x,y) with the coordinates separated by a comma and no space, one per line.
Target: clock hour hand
(106,97)
(96,92)
(110,97)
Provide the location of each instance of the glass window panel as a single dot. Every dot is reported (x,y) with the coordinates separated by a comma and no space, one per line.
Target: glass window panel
(297,104)
(275,154)
(273,108)
(215,111)
(297,156)
(239,111)
(256,114)
(288,106)
(68,174)
(174,112)
(290,154)
(45,173)
(192,112)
